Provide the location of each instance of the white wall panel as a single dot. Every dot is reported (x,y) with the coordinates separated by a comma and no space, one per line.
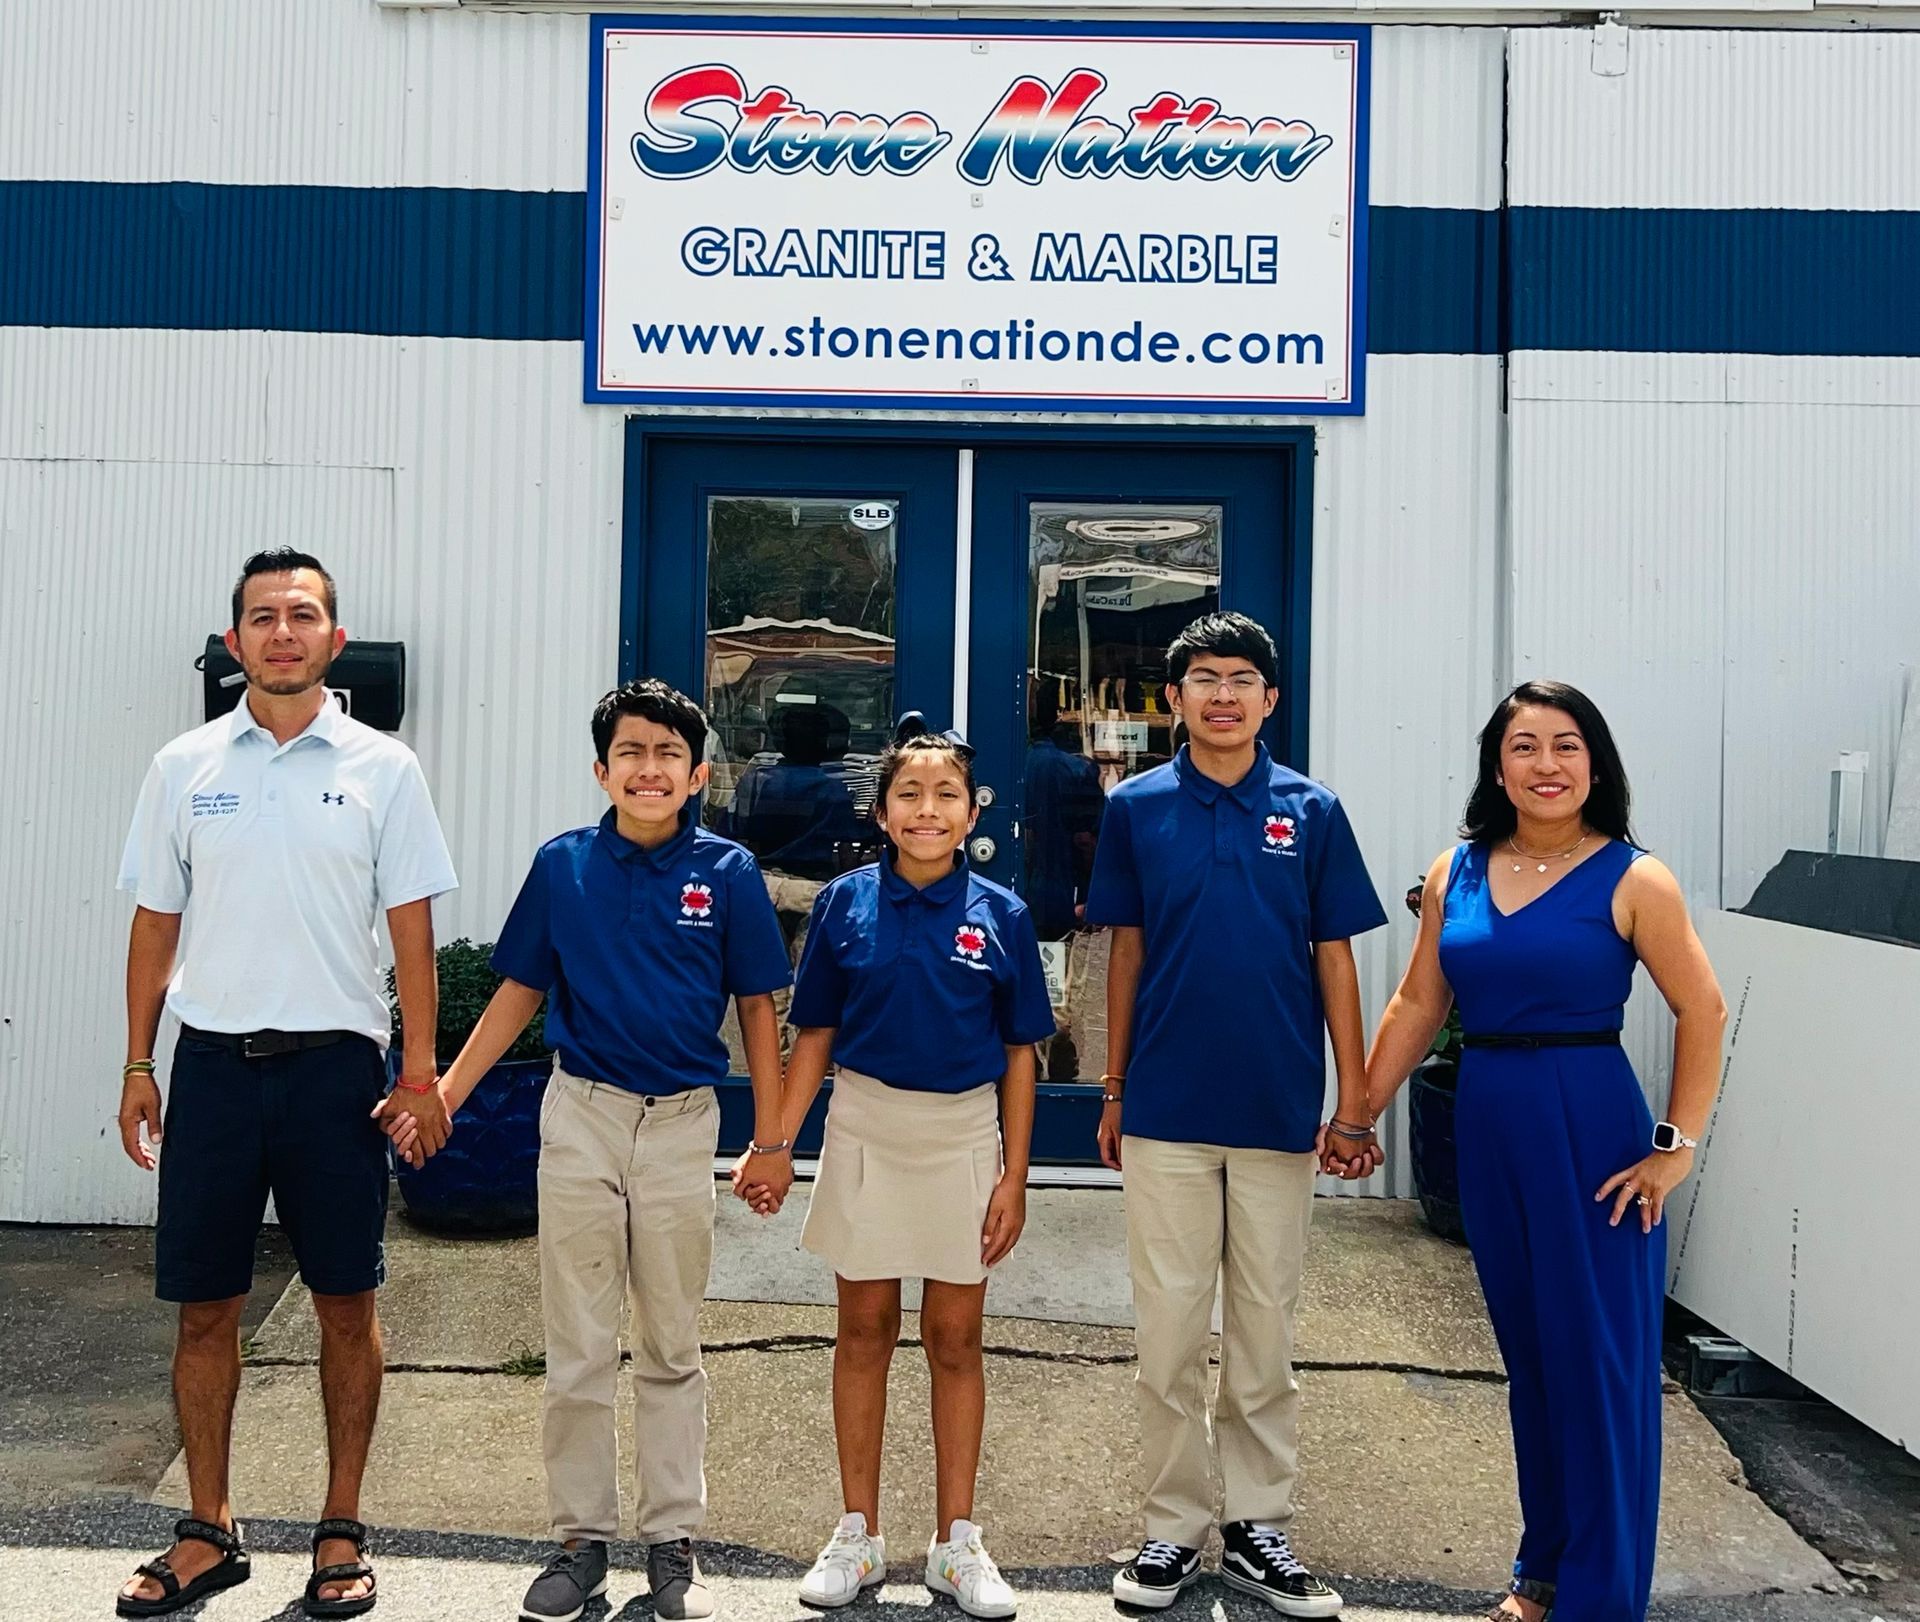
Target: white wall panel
(111,576)
(291,92)
(1438,96)
(512,488)
(1405,635)
(1739,118)
(1568,374)
(1823,619)
(1618,586)
(99,394)
(483,529)
(287,92)
(496,100)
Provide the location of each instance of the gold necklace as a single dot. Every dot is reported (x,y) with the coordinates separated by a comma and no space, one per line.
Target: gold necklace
(1551,856)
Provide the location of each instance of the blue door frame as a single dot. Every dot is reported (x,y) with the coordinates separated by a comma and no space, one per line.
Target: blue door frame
(1263,477)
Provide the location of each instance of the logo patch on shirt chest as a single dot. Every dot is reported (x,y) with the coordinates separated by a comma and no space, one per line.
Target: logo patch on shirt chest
(214,805)
(1282,834)
(970,947)
(696,905)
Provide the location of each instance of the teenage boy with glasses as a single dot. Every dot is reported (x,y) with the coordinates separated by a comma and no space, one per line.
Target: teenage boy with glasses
(1232,885)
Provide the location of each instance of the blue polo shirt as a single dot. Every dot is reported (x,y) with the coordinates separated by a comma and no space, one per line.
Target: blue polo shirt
(926,989)
(1232,886)
(640,949)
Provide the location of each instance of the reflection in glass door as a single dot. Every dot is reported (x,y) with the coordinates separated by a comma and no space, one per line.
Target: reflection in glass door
(799,690)
(799,674)
(1109,586)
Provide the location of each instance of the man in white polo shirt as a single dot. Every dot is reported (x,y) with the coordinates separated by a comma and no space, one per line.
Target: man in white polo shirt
(277,835)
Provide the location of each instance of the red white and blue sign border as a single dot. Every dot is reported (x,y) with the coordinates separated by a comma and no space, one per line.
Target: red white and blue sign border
(597,392)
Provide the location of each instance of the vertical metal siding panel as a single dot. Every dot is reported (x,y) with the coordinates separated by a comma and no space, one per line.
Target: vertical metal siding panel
(1823,619)
(1405,635)
(485,533)
(1737,118)
(1437,101)
(512,489)
(497,100)
(1618,569)
(290,92)
(111,576)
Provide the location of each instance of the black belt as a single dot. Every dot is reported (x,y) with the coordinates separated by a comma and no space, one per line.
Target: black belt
(265,1044)
(1543,1039)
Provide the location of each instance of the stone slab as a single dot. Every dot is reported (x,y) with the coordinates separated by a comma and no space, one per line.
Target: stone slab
(1380,1291)
(1404,1476)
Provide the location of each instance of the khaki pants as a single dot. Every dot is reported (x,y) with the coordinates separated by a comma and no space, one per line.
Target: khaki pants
(1198,1215)
(626,1210)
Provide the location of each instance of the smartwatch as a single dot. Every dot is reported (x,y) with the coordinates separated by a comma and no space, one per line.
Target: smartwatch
(1667,1138)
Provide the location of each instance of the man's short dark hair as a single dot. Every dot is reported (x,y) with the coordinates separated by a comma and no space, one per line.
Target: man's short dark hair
(1232,636)
(284,560)
(652,700)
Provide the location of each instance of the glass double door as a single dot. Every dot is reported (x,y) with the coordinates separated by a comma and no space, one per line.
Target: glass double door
(812,591)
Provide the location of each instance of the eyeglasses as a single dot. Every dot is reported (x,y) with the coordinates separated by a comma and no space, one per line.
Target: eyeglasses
(1240,685)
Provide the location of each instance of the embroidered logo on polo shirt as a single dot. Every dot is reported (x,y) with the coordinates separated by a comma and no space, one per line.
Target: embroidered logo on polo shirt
(332,799)
(1280,833)
(214,805)
(696,904)
(970,946)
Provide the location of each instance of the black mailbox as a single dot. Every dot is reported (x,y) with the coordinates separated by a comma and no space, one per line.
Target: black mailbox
(370,677)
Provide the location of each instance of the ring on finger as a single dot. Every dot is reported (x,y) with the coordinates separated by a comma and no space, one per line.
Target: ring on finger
(1643,1199)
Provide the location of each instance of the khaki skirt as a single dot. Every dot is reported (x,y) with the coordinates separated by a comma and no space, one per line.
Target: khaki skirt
(904,1181)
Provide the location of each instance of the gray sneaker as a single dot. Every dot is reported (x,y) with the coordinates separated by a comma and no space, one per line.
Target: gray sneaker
(573,1576)
(679,1592)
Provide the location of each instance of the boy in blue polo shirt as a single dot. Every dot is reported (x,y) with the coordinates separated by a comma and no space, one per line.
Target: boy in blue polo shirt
(638,930)
(1231,885)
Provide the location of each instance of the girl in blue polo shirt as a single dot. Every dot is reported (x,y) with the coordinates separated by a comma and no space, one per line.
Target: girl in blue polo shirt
(921,981)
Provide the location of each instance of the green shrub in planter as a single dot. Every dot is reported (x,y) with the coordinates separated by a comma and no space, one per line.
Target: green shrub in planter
(468,981)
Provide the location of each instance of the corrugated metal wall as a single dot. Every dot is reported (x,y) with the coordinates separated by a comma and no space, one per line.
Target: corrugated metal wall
(1720,546)
(1723,549)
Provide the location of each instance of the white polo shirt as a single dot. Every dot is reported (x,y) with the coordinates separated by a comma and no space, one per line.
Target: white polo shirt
(282,857)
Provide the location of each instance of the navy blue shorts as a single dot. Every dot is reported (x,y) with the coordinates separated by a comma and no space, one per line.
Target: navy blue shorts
(296,1126)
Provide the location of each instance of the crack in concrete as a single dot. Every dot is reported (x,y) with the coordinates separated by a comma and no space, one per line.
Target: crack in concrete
(821,1343)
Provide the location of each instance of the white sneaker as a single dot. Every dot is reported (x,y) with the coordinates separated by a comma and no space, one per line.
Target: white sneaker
(964,1569)
(850,1562)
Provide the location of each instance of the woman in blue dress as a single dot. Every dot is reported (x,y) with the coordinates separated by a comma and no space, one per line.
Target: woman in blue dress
(1534,924)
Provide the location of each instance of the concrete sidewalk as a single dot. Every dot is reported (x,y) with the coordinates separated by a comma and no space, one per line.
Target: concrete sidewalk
(1408,1476)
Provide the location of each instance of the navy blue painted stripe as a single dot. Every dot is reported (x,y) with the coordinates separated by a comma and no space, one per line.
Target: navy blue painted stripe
(507,265)
(1433,281)
(1715,281)
(405,260)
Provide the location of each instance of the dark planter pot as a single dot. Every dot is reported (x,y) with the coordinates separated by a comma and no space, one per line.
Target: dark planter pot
(1436,1170)
(484,1180)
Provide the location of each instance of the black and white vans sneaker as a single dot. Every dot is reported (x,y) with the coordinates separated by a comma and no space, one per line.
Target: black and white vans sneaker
(1259,1560)
(1154,1577)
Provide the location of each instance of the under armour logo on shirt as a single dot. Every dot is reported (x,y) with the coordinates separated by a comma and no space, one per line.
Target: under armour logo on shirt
(332,799)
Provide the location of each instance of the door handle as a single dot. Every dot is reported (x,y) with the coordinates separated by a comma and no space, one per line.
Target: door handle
(982,849)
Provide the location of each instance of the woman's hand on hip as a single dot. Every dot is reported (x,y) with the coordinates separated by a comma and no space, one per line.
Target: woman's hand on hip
(1006,1217)
(1646,1185)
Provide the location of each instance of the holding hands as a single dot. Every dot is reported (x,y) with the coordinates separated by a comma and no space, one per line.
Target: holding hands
(1349,1149)
(417,1117)
(762,1177)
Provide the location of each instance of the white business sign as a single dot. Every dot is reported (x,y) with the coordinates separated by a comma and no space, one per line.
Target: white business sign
(1092,216)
